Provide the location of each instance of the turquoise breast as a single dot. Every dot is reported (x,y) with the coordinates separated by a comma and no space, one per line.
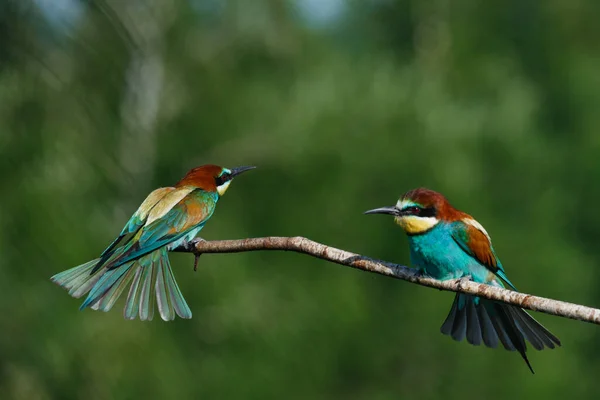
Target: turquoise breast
(437,254)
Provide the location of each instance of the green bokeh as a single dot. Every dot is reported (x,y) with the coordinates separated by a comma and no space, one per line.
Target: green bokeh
(495,104)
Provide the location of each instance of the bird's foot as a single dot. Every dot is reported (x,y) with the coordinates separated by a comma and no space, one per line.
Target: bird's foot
(418,273)
(462,280)
(196,258)
(191,245)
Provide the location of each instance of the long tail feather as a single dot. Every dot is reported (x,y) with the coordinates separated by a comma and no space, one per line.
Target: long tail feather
(133,299)
(104,284)
(106,302)
(474,328)
(146,298)
(501,330)
(479,319)
(165,308)
(168,296)
(512,332)
(490,337)
(527,330)
(76,278)
(549,339)
(147,277)
(179,304)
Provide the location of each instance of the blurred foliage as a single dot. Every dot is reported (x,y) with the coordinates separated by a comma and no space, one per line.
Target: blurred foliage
(494,104)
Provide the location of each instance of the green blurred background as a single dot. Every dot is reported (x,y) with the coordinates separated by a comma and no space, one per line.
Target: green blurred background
(343,105)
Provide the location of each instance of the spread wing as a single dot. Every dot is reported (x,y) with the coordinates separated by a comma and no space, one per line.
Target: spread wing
(138,218)
(168,224)
(475,241)
(134,224)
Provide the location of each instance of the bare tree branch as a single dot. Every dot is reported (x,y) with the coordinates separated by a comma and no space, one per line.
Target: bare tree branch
(342,257)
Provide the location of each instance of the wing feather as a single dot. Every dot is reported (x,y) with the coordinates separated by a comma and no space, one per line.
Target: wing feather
(475,241)
(192,211)
(137,220)
(167,203)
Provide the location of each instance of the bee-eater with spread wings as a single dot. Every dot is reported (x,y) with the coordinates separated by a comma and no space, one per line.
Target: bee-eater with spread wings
(168,217)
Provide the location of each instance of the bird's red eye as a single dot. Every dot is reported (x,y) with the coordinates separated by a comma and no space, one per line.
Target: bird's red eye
(415,210)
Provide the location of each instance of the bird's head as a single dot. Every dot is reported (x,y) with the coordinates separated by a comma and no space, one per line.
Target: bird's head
(418,210)
(211,178)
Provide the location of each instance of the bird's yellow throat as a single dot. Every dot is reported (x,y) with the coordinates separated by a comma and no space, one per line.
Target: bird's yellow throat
(414,225)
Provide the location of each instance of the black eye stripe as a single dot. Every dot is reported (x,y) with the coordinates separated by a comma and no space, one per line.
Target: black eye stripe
(419,212)
(222,179)
(428,212)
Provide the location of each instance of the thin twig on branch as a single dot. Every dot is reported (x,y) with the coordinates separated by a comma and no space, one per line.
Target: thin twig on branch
(342,257)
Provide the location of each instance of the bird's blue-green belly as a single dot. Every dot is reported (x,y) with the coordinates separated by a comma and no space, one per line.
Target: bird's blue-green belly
(439,256)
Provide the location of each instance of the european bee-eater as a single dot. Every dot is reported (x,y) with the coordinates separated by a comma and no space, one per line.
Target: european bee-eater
(446,243)
(167,218)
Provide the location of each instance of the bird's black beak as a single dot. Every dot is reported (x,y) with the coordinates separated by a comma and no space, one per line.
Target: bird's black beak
(238,170)
(384,210)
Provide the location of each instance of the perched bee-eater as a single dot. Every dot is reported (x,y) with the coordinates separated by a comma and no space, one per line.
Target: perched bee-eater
(167,218)
(446,243)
